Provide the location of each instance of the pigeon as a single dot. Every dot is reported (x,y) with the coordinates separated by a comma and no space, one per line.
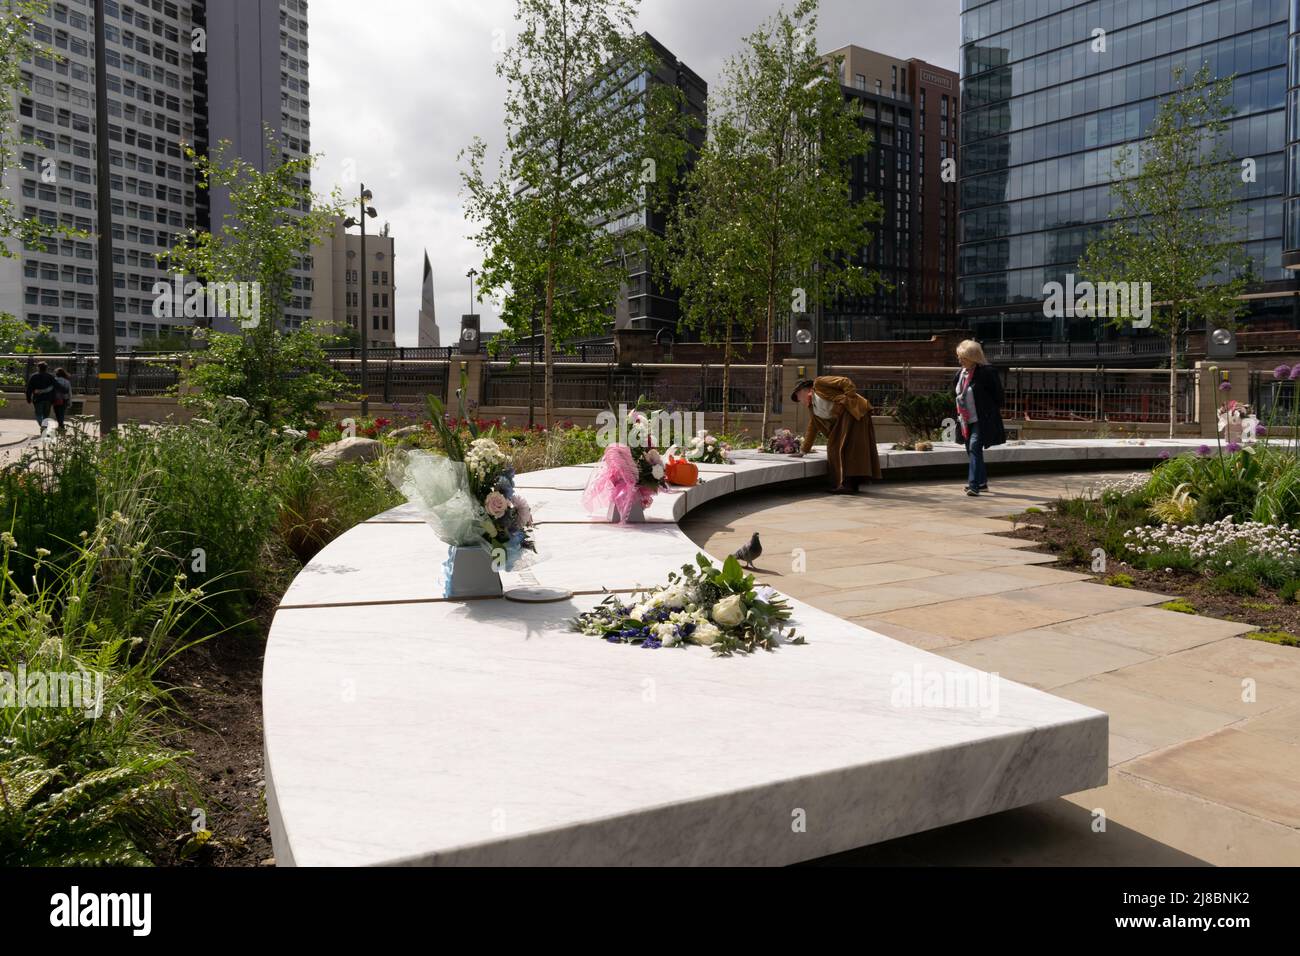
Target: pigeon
(748,552)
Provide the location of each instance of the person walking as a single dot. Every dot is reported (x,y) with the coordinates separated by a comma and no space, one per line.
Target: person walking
(979,411)
(40,392)
(62,394)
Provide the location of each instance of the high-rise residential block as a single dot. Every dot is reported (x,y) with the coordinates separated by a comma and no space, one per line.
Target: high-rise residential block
(179,72)
(910,108)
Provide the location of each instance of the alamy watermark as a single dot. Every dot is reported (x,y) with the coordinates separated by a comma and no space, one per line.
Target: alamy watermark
(658,429)
(945,690)
(72,690)
(211,300)
(1104,300)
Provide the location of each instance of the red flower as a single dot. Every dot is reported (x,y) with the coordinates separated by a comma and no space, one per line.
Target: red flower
(314,435)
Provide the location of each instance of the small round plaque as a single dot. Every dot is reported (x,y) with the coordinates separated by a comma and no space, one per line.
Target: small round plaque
(537,595)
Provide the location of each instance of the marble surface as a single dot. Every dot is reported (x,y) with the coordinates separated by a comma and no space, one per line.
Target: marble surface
(403,728)
(487,733)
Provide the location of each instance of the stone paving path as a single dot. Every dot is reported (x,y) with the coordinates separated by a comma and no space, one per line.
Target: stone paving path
(1203,770)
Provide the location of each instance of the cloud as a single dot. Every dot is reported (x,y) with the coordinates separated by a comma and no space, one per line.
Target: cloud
(400,87)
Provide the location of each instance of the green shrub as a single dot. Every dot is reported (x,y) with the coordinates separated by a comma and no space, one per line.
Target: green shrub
(1233,582)
(1164,561)
(1232,496)
(1289,590)
(1179,605)
(923,415)
(1120,581)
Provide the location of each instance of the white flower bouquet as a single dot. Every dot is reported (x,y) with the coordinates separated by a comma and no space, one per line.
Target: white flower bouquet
(718,608)
(468,497)
(706,449)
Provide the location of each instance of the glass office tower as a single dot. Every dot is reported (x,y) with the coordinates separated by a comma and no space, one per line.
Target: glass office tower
(1047,101)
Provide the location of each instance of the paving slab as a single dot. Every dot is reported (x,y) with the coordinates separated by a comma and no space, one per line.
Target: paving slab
(1170,679)
(1086,597)
(971,619)
(1043,657)
(1152,629)
(1144,717)
(1247,659)
(1254,773)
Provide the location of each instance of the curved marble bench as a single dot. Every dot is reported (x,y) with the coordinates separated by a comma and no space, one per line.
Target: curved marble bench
(401,728)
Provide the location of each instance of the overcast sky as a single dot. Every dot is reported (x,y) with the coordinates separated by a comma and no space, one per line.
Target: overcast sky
(399,87)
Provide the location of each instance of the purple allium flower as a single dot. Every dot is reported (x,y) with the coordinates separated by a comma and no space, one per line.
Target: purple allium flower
(1166,455)
(1234,447)
(1225,386)
(1295,373)
(1261,429)
(1203,451)
(1281,372)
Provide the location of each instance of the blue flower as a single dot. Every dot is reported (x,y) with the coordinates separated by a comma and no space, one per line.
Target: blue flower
(652,642)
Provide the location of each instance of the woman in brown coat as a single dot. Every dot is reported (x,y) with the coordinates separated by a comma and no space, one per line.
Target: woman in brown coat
(843,417)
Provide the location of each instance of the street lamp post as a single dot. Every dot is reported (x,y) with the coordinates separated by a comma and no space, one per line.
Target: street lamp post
(103,194)
(360,219)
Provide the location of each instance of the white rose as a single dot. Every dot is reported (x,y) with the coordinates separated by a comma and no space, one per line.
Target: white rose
(730,611)
(658,472)
(640,612)
(706,634)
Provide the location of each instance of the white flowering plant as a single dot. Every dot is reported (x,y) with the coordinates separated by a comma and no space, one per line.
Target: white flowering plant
(1273,551)
(715,607)
(706,449)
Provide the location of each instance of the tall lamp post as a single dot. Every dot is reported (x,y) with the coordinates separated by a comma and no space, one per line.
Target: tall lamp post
(360,219)
(103,199)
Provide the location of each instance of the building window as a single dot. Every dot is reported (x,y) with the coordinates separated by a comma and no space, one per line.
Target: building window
(860,81)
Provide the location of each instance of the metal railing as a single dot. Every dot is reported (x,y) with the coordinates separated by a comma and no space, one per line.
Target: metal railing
(1270,397)
(690,387)
(1030,393)
(1145,346)
(136,374)
(396,380)
(1046,394)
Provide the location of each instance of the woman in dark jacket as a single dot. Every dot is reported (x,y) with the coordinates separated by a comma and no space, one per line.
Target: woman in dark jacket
(979,411)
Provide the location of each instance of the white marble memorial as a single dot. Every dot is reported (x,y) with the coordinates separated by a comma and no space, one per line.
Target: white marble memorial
(402,728)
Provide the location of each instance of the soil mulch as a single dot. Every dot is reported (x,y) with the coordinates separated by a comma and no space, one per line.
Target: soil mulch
(219,692)
(1072,540)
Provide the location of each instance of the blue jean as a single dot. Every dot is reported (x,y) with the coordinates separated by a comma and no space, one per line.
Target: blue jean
(43,407)
(976,475)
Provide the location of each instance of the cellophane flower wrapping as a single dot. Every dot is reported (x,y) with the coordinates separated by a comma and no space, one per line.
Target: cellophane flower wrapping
(470,503)
(440,488)
(629,474)
(616,483)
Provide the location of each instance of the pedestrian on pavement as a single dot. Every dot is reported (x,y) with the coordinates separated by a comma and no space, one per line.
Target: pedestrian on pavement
(62,394)
(40,392)
(979,410)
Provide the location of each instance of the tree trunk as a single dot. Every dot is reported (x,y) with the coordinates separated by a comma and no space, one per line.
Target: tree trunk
(1173,378)
(726,380)
(548,355)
